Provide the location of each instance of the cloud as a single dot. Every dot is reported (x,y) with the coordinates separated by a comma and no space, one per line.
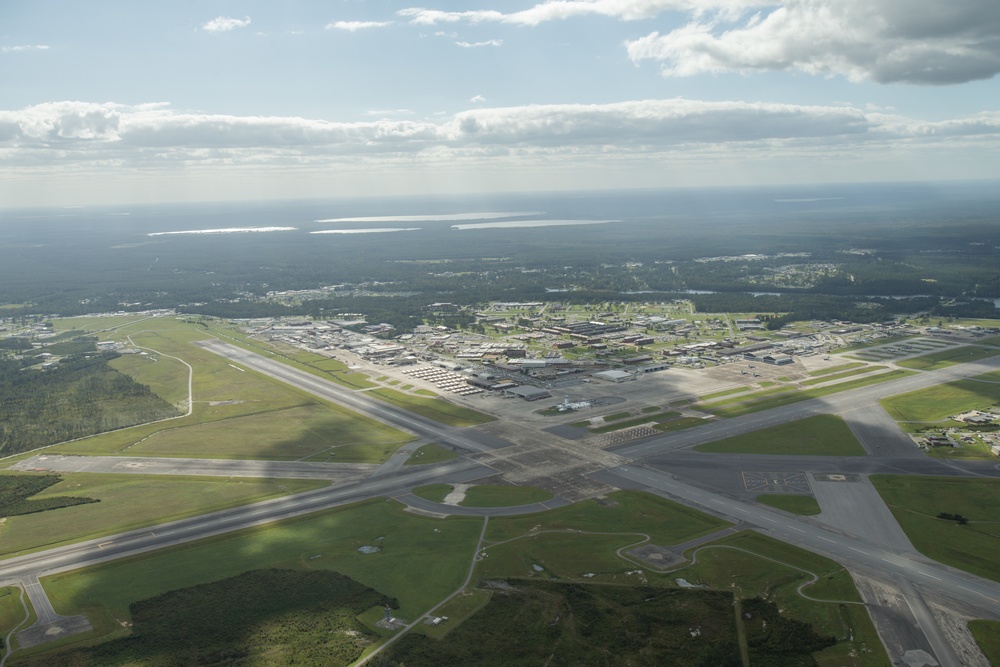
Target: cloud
(225,24)
(476,45)
(23,47)
(929,42)
(477,99)
(56,136)
(354,26)
(553,10)
(888,41)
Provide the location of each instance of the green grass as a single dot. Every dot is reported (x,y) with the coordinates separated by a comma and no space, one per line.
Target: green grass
(773,398)
(650,409)
(166,377)
(590,534)
(916,501)
(987,634)
(679,424)
(573,624)
(803,505)
(459,608)
(841,376)
(821,435)
(133,501)
(622,512)
(488,495)
(433,408)
(290,434)
(942,400)
(17,491)
(773,569)
(666,417)
(316,364)
(12,612)
(305,618)
(834,369)
(617,416)
(435,493)
(236,414)
(430,454)
(944,358)
(421,562)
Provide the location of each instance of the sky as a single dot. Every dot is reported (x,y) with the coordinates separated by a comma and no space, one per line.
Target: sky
(119,102)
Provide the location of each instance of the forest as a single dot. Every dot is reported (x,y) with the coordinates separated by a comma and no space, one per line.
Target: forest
(901,249)
(79,395)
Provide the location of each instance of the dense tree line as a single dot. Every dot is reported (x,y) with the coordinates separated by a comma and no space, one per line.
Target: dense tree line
(16,492)
(80,396)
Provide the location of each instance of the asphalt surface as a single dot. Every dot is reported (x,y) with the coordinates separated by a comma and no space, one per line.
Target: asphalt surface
(856,552)
(716,486)
(358,401)
(135,465)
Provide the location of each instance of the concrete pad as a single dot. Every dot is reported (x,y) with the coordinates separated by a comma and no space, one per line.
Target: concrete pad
(856,508)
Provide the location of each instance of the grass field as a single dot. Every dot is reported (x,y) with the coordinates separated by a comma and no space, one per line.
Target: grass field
(311,432)
(663,418)
(421,562)
(305,618)
(571,624)
(132,501)
(317,364)
(433,408)
(917,501)
(166,377)
(489,495)
(590,534)
(950,357)
(12,612)
(430,454)
(751,564)
(822,435)
(236,414)
(679,424)
(772,398)
(987,634)
(842,375)
(622,512)
(803,505)
(839,368)
(433,492)
(942,400)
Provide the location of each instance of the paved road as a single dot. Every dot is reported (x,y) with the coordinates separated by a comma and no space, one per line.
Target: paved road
(843,402)
(981,595)
(863,555)
(111,547)
(467,439)
(338,472)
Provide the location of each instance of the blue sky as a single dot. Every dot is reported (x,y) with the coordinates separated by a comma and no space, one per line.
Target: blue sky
(120,102)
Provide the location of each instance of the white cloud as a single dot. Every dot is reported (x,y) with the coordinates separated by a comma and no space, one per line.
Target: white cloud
(640,122)
(225,24)
(23,47)
(911,41)
(477,99)
(552,10)
(354,26)
(476,45)
(87,151)
(887,41)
